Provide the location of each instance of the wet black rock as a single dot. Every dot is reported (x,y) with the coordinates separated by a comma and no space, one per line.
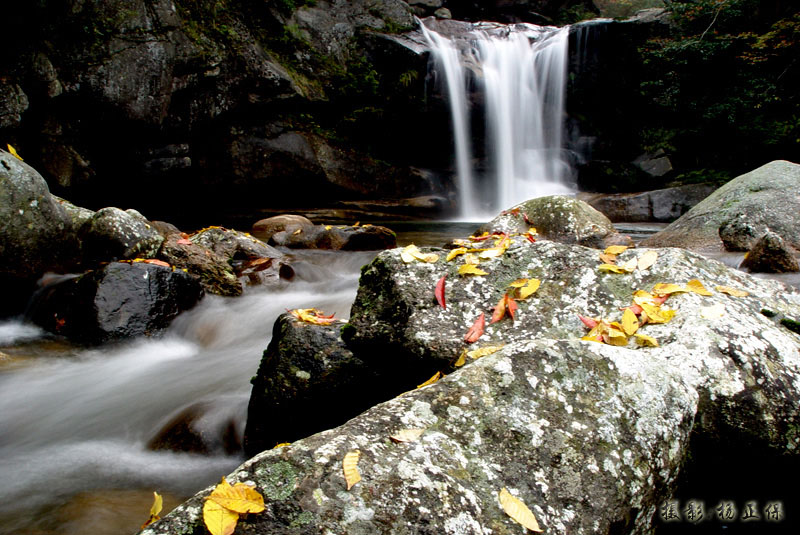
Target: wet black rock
(117,301)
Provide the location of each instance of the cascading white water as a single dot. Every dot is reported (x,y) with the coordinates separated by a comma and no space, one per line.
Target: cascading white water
(447,57)
(523,71)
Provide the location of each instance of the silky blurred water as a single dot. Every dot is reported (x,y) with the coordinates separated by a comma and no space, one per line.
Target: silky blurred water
(77,420)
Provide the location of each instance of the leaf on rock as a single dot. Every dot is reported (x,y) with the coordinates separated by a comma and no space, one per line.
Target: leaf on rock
(296,232)
(519,283)
(456,252)
(611,268)
(312,315)
(608,258)
(407,435)
(461,360)
(470,258)
(646,260)
(528,289)
(439,292)
(239,498)
(218,519)
(13,152)
(492,252)
(615,249)
(734,292)
(476,331)
(518,511)
(630,323)
(697,287)
(184,241)
(646,341)
(629,265)
(590,323)
(158,504)
(657,314)
(436,377)
(471,269)
(483,351)
(350,467)
(663,288)
(281,445)
(156,262)
(412,252)
(615,335)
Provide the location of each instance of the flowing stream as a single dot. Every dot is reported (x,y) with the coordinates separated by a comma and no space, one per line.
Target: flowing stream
(75,422)
(521,73)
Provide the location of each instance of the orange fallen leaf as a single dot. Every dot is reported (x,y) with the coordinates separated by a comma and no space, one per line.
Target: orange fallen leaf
(312,315)
(476,331)
(158,504)
(517,510)
(185,241)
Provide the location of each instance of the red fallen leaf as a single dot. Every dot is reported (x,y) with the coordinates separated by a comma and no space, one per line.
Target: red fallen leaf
(658,301)
(590,323)
(530,238)
(505,305)
(511,306)
(184,241)
(439,292)
(525,216)
(156,262)
(476,331)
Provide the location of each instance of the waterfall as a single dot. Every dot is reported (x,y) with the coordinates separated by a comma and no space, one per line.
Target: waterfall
(521,71)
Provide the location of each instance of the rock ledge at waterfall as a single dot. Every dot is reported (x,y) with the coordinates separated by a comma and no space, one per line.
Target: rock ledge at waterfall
(592,437)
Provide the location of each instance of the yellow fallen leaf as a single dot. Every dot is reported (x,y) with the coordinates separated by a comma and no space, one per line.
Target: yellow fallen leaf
(646,341)
(455,252)
(281,445)
(350,467)
(328,227)
(697,287)
(615,249)
(239,498)
(483,351)
(218,519)
(657,314)
(529,289)
(630,323)
(436,377)
(13,152)
(462,359)
(470,269)
(519,283)
(158,504)
(470,258)
(615,335)
(646,260)
(407,435)
(712,312)
(296,232)
(518,511)
(611,268)
(732,291)
(663,288)
(640,296)
(312,315)
(412,252)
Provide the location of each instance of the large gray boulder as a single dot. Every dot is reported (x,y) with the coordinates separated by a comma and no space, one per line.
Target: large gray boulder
(592,437)
(558,218)
(661,205)
(115,234)
(38,233)
(741,211)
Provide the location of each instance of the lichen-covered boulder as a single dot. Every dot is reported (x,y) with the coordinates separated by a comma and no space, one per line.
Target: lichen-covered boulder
(265,228)
(307,380)
(211,269)
(741,211)
(117,301)
(37,233)
(559,218)
(591,436)
(770,255)
(114,234)
(234,245)
(661,205)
